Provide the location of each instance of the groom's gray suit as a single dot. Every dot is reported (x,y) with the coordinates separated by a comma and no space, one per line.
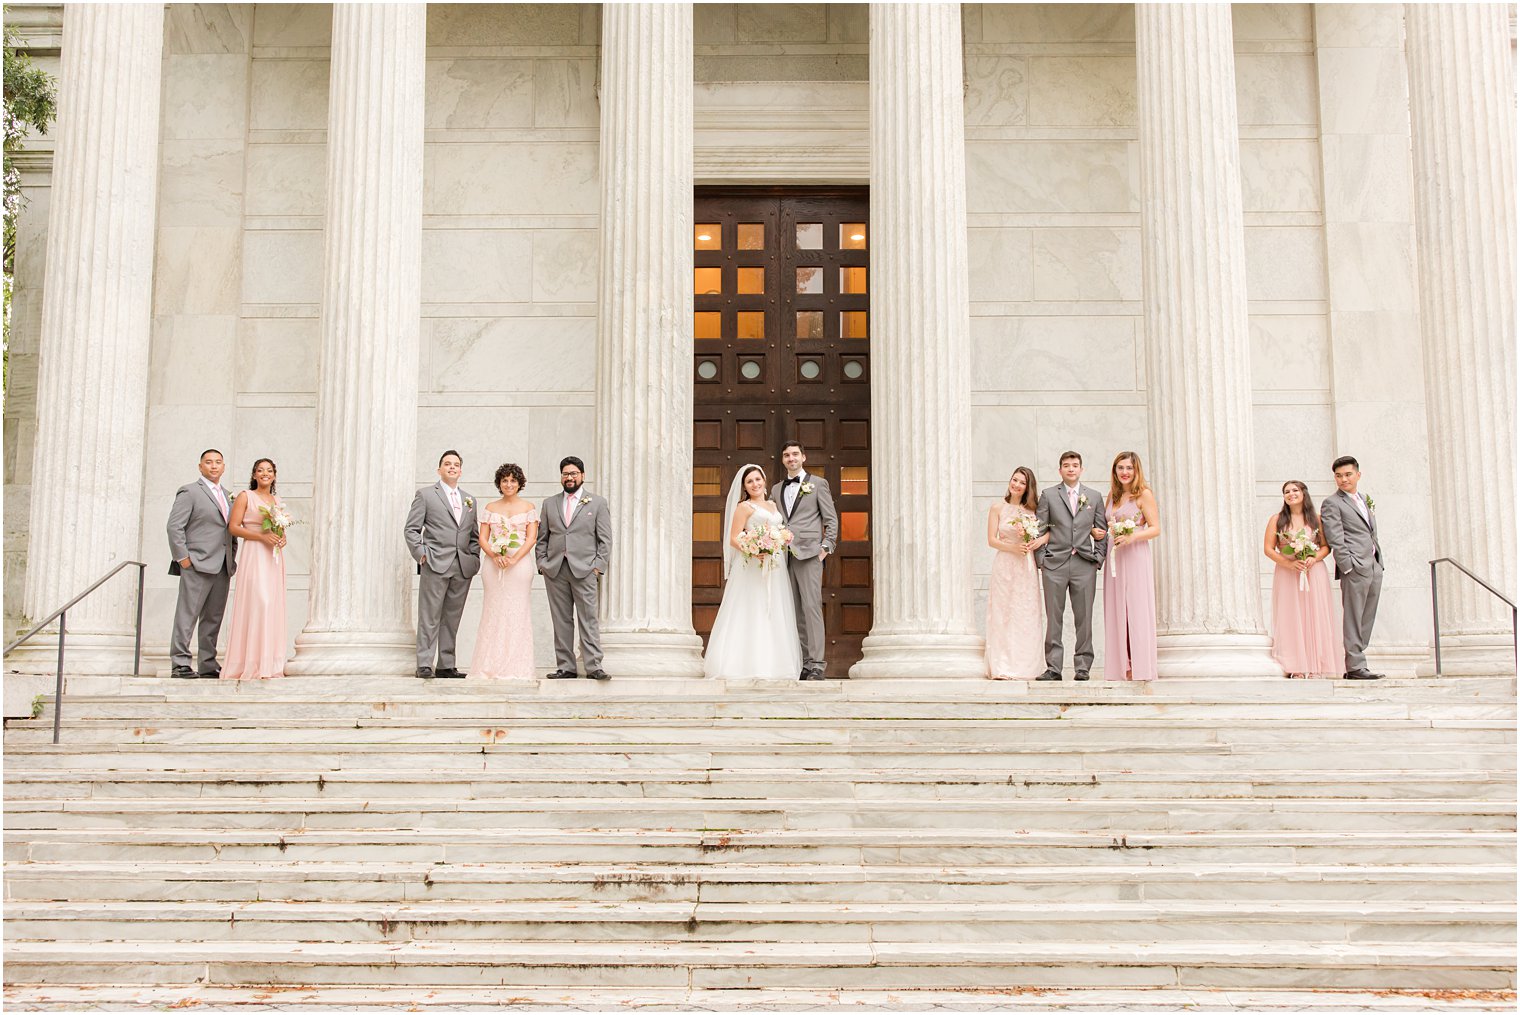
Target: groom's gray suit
(198,530)
(1359,566)
(569,557)
(815,526)
(1069,564)
(447,553)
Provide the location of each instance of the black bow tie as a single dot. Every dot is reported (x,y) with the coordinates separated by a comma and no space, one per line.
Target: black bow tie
(794,479)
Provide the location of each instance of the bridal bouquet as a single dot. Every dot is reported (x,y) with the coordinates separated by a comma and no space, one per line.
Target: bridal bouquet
(1125,527)
(275,518)
(766,545)
(1027,528)
(504,541)
(1299,545)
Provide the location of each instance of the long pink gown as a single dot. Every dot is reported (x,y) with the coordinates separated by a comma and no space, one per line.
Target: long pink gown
(1015,612)
(504,643)
(256,632)
(1306,634)
(1129,607)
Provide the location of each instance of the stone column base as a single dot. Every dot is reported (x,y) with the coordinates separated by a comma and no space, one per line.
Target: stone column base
(354,653)
(1472,655)
(652,654)
(83,653)
(921,657)
(1215,655)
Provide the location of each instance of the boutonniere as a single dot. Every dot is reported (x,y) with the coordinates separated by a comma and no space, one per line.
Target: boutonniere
(1371,505)
(469,502)
(1082,500)
(805,489)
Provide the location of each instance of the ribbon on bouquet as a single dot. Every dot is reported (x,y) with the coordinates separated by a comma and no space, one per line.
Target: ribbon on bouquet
(1303,581)
(1113,561)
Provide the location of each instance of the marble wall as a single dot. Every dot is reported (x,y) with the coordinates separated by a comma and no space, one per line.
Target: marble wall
(510,244)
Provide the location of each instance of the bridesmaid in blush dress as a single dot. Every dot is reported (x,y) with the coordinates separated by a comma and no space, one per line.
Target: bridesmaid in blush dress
(1015,603)
(1306,636)
(1129,587)
(508,531)
(256,632)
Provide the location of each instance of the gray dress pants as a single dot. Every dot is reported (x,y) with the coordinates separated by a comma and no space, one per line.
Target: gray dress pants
(572,605)
(440,604)
(1359,603)
(202,601)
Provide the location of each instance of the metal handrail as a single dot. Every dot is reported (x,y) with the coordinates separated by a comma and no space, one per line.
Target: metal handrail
(61,615)
(1435,611)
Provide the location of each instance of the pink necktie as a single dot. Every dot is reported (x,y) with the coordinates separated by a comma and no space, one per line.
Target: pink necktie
(1071,497)
(569,506)
(221,501)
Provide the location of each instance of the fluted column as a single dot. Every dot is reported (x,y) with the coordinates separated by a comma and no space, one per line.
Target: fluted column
(1462,113)
(644,339)
(1196,334)
(92,385)
(920,351)
(359,618)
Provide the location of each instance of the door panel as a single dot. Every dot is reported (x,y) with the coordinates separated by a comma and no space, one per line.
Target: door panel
(782,351)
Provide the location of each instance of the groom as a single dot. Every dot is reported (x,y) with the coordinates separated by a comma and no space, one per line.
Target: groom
(808,505)
(1069,564)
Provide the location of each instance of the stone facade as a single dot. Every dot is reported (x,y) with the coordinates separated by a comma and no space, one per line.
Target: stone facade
(1059,347)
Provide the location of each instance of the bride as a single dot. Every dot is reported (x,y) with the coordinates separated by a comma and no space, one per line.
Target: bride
(755,634)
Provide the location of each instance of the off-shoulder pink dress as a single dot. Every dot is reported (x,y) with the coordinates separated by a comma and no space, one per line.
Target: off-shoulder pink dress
(504,643)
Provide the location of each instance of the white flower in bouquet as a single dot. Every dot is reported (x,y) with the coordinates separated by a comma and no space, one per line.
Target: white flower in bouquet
(504,541)
(275,518)
(764,546)
(1300,545)
(1125,527)
(1027,528)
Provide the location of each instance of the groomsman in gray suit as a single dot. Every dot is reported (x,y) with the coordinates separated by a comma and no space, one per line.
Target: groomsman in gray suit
(444,539)
(574,546)
(204,557)
(1069,564)
(1350,522)
(808,505)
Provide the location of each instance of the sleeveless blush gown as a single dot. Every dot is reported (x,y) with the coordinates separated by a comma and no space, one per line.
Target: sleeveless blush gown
(256,632)
(1129,608)
(504,643)
(1015,612)
(1306,634)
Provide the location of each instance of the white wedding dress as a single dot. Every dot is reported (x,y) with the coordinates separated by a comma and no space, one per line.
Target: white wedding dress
(755,634)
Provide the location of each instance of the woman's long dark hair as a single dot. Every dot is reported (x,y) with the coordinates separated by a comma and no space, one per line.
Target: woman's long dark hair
(1285,517)
(253,475)
(743,493)
(1031,492)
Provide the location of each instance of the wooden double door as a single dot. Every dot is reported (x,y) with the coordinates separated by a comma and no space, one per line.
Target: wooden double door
(782,324)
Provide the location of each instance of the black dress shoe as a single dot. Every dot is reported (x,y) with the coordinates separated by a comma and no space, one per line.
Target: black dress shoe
(425,672)
(448,673)
(1084,676)
(813,675)
(561,675)
(1049,675)
(183,673)
(1363,675)
(210,674)
(597,675)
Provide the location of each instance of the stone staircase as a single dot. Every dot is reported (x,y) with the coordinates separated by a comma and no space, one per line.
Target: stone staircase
(904,836)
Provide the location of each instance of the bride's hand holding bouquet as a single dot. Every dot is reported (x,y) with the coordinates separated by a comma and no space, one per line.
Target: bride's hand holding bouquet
(764,546)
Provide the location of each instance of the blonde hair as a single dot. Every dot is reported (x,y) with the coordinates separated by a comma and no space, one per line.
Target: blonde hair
(1116,489)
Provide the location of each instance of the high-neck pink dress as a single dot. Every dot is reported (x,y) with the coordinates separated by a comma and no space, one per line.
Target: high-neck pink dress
(256,633)
(1129,606)
(1015,611)
(504,642)
(1306,633)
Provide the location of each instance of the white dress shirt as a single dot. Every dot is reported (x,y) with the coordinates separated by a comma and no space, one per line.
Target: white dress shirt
(791,491)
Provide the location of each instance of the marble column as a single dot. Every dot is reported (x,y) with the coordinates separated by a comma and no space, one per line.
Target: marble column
(922,621)
(92,385)
(1196,333)
(1462,112)
(644,340)
(361,580)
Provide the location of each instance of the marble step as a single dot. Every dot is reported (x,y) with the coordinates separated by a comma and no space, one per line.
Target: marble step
(381,999)
(751,965)
(914,847)
(1120,816)
(391,881)
(1221,761)
(759,784)
(974,922)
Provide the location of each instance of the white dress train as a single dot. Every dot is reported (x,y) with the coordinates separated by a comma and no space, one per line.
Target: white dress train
(755,633)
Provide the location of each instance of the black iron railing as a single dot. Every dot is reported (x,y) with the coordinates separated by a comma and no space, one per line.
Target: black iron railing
(61,615)
(1435,608)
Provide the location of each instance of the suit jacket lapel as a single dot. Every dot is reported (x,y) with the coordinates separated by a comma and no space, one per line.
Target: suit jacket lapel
(448,508)
(796,500)
(1351,502)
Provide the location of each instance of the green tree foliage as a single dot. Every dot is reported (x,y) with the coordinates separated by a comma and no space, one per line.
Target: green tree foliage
(30,105)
